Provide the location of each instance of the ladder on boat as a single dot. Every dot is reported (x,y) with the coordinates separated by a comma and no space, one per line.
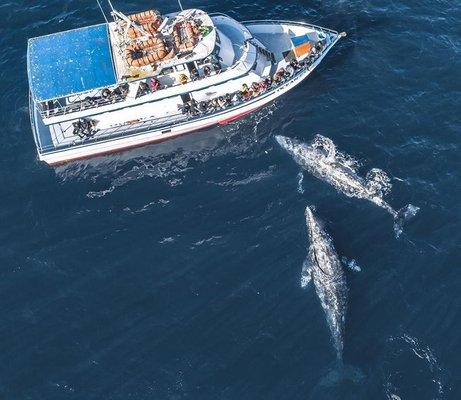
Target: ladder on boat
(268,54)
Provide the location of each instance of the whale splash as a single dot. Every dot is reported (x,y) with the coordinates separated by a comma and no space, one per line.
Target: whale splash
(322,159)
(323,267)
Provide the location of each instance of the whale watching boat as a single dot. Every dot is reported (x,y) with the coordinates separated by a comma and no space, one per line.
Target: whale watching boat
(147,77)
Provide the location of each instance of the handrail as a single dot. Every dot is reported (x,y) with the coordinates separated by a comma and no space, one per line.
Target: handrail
(276,22)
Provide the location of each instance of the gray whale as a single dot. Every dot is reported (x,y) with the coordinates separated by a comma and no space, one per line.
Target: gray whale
(323,267)
(321,159)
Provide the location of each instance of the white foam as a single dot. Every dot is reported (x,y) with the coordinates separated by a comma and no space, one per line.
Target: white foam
(300,182)
(425,353)
(351,264)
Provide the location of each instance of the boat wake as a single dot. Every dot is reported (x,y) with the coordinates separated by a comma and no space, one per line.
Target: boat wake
(300,182)
(351,264)
(403,348)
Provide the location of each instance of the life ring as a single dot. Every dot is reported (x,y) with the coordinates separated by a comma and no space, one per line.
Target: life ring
(149,21)
(145,16)
(185,36)
(146,53)
(150,27)
(182,79)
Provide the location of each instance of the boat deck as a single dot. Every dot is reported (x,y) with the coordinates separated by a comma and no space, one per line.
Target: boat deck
(120,42)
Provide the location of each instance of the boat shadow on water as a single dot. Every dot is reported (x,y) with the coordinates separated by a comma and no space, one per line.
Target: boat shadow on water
(174,156)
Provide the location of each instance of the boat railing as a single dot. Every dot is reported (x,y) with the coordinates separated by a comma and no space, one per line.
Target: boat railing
(87,102)
(278,22)
(55,108)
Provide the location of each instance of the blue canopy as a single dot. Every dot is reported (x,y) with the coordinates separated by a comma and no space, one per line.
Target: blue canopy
(70,62)
(300,40)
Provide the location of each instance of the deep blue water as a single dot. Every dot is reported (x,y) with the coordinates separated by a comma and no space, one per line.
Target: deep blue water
(173,271)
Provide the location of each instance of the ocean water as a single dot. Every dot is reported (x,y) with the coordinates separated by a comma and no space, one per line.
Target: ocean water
(173,271)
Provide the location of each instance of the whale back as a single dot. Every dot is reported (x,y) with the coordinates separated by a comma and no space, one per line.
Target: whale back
(329,279)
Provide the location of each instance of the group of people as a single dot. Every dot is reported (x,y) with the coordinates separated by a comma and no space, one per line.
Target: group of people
(120,92)
(84,128)
(154,84)
(246,92)
(146,88)
(195,75)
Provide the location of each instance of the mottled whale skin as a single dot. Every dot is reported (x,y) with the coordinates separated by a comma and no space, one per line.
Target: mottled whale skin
(323,267)
(342,177)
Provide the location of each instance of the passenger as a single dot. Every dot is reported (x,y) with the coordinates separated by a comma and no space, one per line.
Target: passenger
(255,89)
(245,92)
(247,95)
(277,78)
(262,86)
(105,94)
(289,72)
(304,63)
(186,108)
(143,88)
(154,85)
(207,71)
(319,46)
(215,103)
(228,98)
(89,101)
(193,107)
(182,79)
(78,129)
(124,90)
(194,74)
(295,64)
(115,93)
(203,106)
(217,67)
(221,101)
(268,81)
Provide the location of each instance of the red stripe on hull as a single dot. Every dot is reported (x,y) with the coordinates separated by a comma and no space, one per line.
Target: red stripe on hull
(236,117)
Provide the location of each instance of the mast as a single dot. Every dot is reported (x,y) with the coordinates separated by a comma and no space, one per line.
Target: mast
(180,5)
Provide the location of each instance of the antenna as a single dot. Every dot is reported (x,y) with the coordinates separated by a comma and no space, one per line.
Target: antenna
(110,5)
(102,10)
(180,5)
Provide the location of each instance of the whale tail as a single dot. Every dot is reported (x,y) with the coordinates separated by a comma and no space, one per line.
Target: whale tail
(404,214)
